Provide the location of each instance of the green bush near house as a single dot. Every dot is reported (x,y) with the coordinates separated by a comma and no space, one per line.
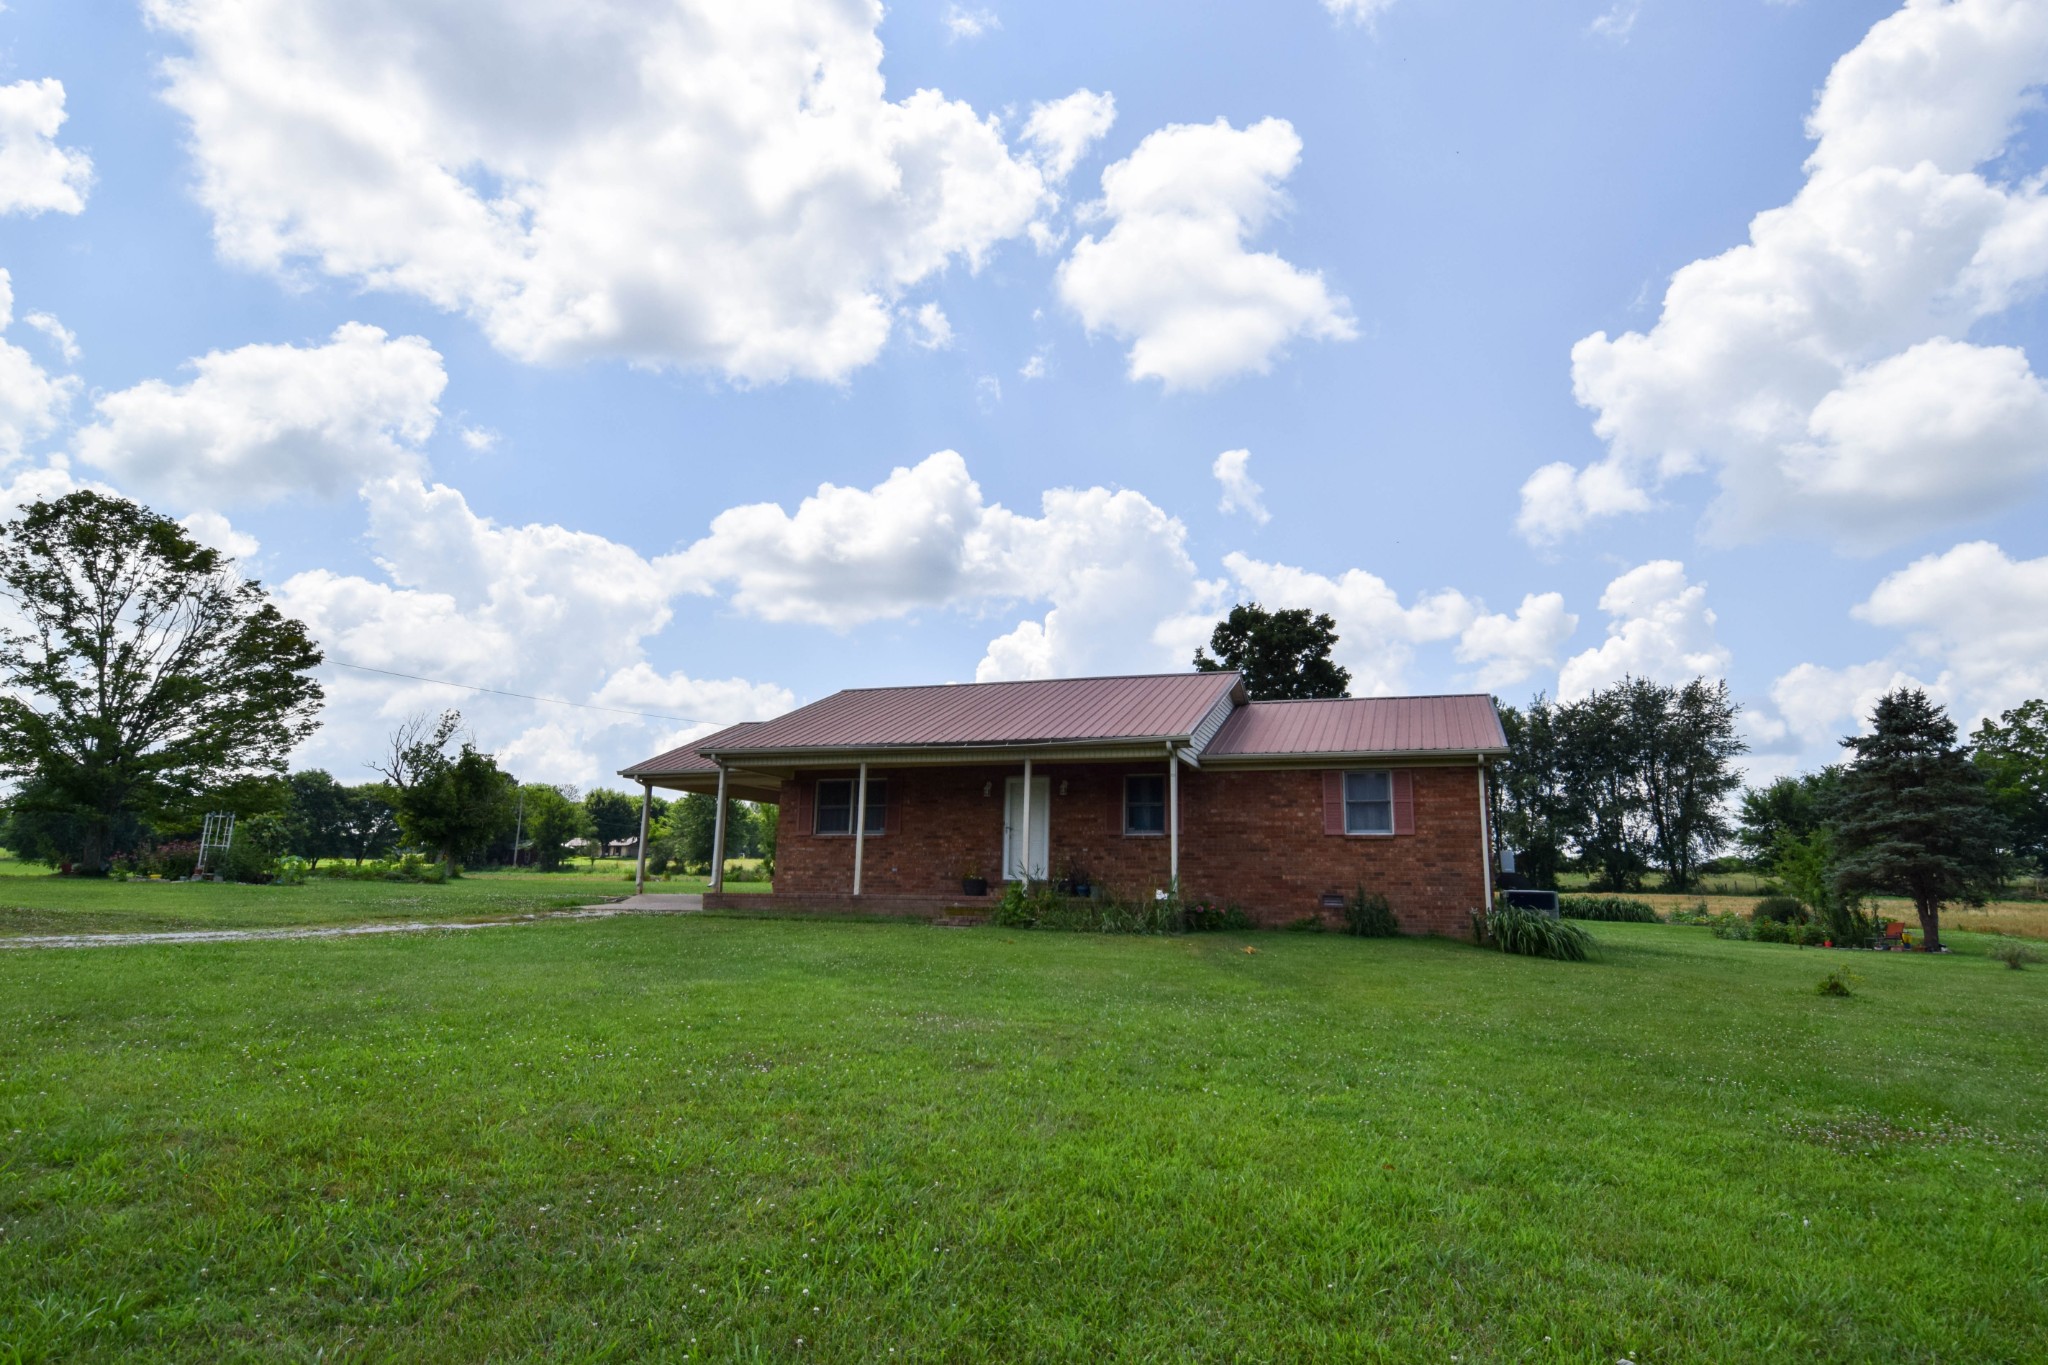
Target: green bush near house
(1606,909)
(1369,916)
(1530,933)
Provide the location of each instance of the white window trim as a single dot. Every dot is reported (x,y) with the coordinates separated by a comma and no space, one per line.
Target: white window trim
(1159,833)
(852,802)
(1344,800)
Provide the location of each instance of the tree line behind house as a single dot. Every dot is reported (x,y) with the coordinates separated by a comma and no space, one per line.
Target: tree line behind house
(1640,779)
(437,798)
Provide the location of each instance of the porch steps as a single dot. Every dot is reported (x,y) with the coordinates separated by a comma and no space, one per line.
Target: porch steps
(960,921)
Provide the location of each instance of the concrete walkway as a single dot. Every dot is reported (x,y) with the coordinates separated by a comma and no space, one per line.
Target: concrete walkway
(632,905)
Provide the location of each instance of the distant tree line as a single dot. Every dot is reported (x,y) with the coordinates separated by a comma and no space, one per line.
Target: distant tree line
(1640,778)
(1630,778)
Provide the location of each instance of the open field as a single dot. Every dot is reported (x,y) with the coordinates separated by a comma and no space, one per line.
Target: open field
(34,900)
(709,1138)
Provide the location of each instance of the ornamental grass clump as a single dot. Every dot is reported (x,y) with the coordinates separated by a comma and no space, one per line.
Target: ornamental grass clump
(1607,909)
(1529,933)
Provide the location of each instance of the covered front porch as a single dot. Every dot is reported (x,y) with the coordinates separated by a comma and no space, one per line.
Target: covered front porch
(911,832)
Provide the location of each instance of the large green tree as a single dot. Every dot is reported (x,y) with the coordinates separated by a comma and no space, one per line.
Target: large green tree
(1913,817)
(2012,753)
(1787,807)
(1536,811)
(320,820)
(553,818)
(1282,654)
(1684,744)
(140,668)
(453,803)
(613,815)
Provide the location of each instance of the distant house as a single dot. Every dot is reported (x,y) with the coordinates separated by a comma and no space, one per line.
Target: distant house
(622,848)
(889,797)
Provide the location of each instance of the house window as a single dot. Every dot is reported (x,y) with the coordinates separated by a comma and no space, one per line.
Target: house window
(1144,805)
(1369,802)
(836,797)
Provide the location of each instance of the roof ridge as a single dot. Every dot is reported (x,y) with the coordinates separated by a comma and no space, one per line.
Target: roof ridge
(1028,682)
(1404,696)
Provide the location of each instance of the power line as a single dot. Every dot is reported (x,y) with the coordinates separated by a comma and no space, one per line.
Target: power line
(523,696)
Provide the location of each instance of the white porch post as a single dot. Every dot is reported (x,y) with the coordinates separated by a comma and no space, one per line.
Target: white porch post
(1024,835)
(1173,819)
(718,836)
(1485,836)
(646,805)
(860,824)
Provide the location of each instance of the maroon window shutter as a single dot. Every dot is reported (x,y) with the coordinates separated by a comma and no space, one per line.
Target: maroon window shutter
(1116,803)
(800,805)
(1404,801)
(892,812)
(1333,803)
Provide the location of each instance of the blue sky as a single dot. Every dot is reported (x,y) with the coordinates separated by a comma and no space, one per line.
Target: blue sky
(470,326)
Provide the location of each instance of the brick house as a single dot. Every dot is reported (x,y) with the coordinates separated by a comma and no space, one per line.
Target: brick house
(889,799)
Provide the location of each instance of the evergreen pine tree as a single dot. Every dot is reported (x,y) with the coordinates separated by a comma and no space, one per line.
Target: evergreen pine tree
(1913,818)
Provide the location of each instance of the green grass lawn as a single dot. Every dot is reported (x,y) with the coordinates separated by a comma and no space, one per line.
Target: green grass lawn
(744,1139)
(35,900)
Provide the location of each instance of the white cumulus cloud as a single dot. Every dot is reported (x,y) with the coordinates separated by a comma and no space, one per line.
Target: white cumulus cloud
(679,183)
(1972,623)
(264,422)
(1822,373)
(33,402)
(1378,635)
(1173,275)
(1062,131)
(1111,566)
(538,609)
(37,175)
(1659,627)
(1241,493)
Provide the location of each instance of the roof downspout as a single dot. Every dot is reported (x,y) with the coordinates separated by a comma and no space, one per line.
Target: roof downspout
(860,825)
(718,836)
(1485,835)
(1172,821)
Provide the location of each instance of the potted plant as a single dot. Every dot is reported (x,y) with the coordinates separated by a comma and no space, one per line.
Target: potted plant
(972,882)
(1075,882)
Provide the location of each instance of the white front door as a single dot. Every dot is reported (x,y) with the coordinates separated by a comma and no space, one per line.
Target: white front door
(1013,827)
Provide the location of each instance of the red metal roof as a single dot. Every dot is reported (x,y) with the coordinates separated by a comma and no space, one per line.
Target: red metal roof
(688,758)
(1055,710)
(1052,711)
(1099,710)
(1361,725)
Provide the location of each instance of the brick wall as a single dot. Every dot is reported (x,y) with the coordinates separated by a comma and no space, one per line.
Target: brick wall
(1253,838)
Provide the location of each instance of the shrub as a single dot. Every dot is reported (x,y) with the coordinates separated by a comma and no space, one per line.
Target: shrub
(410,868)
(1696,913)
(1834,983)
(245,861)
(1370,916)
(291,871)
(1307,924)
(1783,909)
(1513,929)
(1043,907)
(1206,917)
(1767,930)
(2014,955)
(1607,909)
